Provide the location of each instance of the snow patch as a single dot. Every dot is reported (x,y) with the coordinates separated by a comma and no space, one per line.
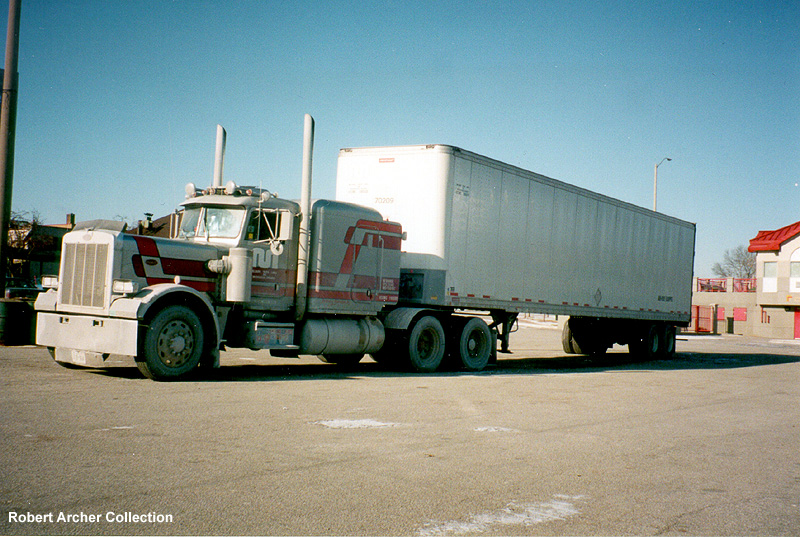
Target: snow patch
(513,514)
(354,424)
(495,430)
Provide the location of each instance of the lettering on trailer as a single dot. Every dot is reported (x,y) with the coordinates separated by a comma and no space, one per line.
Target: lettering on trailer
(345,285)
(150,265)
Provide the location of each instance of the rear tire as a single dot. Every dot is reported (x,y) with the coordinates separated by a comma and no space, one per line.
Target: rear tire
(649,345)
(426,343)
(668,342)
(474,344)
(172,345)
(587,341)
(567,340)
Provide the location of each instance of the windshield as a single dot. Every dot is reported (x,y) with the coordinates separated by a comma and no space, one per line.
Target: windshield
(189,223)
(212,222)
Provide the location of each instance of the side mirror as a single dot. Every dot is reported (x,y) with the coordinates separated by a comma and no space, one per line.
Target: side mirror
(286,225)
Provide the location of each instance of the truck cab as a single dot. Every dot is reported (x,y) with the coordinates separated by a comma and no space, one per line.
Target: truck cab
(228,278)
(255,220)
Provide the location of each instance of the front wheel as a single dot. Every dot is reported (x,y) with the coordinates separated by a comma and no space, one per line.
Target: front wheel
(172,345)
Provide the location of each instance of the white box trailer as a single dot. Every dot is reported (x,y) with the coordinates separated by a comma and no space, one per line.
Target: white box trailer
(486,235)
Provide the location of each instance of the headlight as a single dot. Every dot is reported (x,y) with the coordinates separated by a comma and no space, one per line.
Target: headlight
(50,282)
(124,287)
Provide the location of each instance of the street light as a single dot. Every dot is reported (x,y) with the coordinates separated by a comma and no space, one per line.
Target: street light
(655,181)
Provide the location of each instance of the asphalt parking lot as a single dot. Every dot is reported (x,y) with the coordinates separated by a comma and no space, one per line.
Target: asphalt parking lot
(543,443)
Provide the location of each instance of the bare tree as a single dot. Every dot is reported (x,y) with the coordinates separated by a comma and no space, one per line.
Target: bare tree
(22,240)
(736,263)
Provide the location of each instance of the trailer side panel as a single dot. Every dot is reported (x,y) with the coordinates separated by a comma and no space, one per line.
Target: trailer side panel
(487,235)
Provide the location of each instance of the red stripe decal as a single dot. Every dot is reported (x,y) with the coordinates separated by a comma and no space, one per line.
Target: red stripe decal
(147,246)
(138,266)
(184,267)
(384,235)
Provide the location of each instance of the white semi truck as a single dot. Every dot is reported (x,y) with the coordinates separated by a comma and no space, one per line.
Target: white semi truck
(422,244)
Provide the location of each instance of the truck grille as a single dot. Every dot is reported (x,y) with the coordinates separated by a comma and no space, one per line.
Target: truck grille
(84,274)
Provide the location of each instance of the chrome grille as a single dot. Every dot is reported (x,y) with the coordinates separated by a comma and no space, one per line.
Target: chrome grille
(83,280)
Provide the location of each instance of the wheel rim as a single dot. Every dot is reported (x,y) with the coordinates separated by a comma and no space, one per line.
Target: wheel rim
(669,342)
(427,344)
(175,343)
(475,343)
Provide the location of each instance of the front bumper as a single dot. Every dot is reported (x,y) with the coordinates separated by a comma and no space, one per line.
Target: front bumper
(92,335)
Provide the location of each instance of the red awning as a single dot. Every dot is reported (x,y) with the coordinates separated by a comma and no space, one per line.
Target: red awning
(770,241)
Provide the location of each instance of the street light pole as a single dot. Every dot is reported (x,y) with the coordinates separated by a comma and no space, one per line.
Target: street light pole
(655,181)
(8,112)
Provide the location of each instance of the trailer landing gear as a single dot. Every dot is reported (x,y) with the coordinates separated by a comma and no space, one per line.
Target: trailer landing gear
(504,322)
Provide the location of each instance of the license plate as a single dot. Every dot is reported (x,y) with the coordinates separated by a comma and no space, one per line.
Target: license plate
(78,357)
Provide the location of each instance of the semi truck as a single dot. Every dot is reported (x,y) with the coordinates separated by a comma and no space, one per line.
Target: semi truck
(426,257)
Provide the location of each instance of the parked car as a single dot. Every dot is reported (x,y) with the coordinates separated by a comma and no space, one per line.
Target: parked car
(22,288)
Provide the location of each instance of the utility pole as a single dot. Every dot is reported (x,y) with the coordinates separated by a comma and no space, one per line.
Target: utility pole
(8,119)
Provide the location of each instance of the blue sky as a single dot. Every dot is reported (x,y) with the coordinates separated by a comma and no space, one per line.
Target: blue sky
(119,100)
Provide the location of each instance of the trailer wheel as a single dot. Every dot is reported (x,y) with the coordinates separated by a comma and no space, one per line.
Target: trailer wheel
(566,339)
(572,345)
(668,342)
(426,345)
(649,346)
(172,345)
(475,344)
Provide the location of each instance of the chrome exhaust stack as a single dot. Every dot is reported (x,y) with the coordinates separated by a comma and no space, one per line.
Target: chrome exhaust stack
(219,157)
(305,208)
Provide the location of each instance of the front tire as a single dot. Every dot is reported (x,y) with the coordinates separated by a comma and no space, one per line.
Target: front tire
(173,344)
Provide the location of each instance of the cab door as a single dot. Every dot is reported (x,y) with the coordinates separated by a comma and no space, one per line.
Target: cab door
(268,234)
